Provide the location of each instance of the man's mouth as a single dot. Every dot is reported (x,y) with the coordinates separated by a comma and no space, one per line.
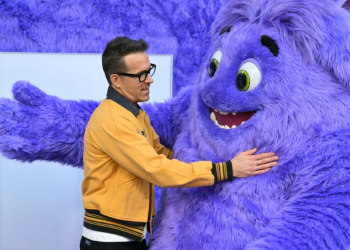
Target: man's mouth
(227,120)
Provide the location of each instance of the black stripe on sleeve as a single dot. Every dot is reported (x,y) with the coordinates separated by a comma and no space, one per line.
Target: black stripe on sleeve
(213,170)
(229,170)
(222,171)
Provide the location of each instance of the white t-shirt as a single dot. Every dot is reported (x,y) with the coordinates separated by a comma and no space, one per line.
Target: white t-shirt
(107,237)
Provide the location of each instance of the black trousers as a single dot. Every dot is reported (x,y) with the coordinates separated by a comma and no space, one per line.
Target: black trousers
(86,244)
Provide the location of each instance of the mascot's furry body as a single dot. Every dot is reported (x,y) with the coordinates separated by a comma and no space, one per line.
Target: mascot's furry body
(296,57)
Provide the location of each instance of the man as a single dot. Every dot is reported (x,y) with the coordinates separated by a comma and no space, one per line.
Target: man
(123,158)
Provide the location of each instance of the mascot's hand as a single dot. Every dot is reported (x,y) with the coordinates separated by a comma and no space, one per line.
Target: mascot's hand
(37,126)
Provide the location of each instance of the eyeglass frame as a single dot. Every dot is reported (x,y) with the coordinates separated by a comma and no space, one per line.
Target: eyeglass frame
(148,72)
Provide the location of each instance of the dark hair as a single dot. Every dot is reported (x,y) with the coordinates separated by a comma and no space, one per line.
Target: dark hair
(116,49)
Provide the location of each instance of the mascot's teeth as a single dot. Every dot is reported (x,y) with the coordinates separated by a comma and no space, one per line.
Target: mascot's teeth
(213,117)
(234,113)
(223,127)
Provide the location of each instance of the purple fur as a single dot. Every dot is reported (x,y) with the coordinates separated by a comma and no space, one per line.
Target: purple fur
(170,114)
(302,104)
(39,113)
(87,26)
(304,95)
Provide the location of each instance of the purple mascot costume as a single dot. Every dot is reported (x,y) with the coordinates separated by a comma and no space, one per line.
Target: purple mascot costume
(276,76)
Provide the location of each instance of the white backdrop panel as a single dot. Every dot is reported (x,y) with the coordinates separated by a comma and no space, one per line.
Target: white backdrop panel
(40,202)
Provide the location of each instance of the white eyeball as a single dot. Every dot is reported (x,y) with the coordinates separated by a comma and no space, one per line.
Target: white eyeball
(248,77)
(214,63)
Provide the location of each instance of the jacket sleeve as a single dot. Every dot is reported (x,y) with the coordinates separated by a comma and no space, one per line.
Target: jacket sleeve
(160,149)
(121,141)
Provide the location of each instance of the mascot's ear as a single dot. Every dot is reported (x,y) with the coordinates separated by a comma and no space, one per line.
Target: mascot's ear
(334,51)
(344,3)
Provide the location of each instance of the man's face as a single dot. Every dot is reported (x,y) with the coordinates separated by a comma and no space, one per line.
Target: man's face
(134,90)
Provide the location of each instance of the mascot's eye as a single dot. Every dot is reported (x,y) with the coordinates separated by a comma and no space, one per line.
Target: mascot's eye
(248,77)
(214,63)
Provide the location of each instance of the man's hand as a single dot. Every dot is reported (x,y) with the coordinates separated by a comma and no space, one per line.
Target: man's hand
(247,164)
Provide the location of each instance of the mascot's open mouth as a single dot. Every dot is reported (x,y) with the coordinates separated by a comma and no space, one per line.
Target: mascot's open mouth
(229,120)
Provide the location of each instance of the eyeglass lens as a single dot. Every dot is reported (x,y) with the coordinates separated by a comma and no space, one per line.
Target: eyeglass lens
(144,75)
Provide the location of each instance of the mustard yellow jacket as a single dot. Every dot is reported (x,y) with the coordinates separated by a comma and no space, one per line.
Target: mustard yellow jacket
(123,159)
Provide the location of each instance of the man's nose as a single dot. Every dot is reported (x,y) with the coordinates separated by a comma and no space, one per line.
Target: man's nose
(149,79)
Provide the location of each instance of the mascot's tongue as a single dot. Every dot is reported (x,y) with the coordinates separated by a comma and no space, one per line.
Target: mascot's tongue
(231,120)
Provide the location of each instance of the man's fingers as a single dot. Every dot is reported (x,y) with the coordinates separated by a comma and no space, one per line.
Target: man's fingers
(266,160)
(250,151)
(263,155)
(262,171)
(266,165)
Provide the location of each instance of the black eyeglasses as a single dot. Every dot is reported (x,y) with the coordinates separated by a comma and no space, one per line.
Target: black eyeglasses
(143,75)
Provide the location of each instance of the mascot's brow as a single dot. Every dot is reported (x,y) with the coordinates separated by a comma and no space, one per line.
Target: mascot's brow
(271,44)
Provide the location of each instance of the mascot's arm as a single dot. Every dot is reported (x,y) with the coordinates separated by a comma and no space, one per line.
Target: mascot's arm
(316,214)
(37,126)
(168,117)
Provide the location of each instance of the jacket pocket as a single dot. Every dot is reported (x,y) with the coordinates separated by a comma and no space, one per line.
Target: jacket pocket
(129,201)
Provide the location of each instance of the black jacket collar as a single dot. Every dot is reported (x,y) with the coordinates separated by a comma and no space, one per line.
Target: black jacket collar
(114,95)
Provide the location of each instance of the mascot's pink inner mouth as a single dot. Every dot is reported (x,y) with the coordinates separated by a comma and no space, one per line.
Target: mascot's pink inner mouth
(229,120)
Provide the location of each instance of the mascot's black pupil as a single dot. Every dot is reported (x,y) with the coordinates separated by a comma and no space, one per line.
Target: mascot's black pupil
(213,66)
(242,80)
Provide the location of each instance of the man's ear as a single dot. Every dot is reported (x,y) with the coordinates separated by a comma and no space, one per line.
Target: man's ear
(115,80)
